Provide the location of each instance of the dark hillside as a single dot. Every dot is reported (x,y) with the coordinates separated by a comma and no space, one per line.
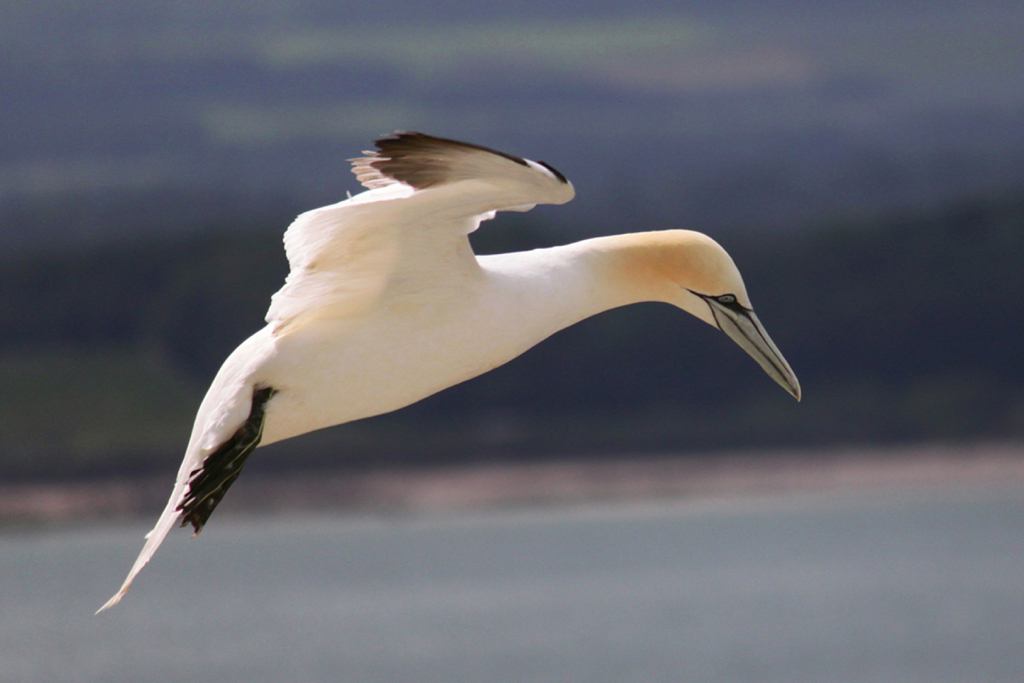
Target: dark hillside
(902,328)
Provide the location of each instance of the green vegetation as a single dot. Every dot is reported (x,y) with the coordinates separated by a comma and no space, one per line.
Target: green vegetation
(900,329)
(66,412)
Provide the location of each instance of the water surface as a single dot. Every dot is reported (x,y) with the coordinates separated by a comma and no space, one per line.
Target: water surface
(895,587)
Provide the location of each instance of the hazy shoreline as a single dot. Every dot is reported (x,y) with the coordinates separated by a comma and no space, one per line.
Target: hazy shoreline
(557,482)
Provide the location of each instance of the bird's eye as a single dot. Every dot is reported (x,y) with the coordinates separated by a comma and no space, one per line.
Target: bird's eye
(726,299)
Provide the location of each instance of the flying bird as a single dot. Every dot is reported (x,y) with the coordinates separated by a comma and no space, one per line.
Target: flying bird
(386,303)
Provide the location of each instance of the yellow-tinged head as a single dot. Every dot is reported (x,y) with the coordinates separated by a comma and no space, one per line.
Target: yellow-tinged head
(692,271)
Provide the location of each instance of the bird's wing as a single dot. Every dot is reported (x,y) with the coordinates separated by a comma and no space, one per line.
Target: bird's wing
(221,423)
(424,161)
(425,194)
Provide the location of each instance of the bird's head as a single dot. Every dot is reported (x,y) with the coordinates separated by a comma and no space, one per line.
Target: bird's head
(692,271)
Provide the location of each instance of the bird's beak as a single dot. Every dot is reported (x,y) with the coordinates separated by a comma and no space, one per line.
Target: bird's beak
(745,329)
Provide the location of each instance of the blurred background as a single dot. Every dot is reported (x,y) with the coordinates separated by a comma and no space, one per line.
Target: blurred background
(862,162)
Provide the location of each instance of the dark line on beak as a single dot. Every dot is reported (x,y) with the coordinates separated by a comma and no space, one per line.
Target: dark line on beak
(771,355)
(714,314)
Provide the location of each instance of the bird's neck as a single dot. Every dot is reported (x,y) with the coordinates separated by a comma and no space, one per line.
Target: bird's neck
(557,287)
(627,269)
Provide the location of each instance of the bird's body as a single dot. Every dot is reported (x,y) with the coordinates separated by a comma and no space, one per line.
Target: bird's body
(386,304)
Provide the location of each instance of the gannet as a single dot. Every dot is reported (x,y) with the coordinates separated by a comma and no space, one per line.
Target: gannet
(386,304)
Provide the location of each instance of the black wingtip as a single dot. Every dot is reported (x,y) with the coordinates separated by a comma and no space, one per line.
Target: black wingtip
(422,160)
(416,159)
(221,468)
(405,143)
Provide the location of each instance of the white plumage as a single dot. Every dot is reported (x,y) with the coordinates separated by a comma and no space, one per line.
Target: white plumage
(386,303)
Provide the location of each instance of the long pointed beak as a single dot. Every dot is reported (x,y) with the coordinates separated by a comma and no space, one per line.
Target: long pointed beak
(745,329)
